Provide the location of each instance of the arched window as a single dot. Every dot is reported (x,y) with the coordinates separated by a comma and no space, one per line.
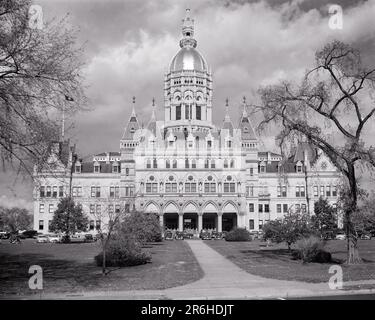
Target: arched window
(229,185)
(178,112)
(170,184)
(151,185)
(167,164)
(191,185)
(210,185)
(174,164)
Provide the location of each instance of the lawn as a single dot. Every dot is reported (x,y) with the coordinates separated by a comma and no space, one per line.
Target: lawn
(71,268)
(275,261)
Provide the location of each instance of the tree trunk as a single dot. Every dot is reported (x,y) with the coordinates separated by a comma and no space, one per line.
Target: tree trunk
(103,262)
(352,248)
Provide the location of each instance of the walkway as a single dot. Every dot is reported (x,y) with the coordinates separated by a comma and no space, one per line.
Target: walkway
(222,280)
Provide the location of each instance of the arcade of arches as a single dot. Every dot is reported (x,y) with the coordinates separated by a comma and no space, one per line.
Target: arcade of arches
(192,218)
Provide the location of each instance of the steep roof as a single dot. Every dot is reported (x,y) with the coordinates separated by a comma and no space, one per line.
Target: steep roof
(131,127)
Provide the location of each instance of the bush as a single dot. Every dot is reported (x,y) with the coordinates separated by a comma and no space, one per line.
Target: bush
(238,234)
(144,226)
(311,249)
(123,252)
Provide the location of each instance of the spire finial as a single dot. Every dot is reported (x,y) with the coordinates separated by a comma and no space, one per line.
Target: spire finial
(153,117)
(244,112)
(227,118)
(133,110)
(188,31)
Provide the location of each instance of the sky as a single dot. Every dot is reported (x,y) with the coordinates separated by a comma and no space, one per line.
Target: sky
(248,44)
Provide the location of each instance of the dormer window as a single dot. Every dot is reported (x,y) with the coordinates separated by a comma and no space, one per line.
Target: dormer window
(262,168)
(97,168)
(209,144)
(229,144)
(132,130)
(246,129)
(115,169)
(299,168)
(78,168)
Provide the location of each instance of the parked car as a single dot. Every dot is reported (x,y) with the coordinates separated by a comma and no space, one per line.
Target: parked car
(89,237)
(187,235)
(4,235)
(54,238)
(205,235)
(328,235)
(179,235)
(42,238)
(78,237)
(217,235)
(366,236)
(168,235)
(254,234)
(340,236)
(29,234)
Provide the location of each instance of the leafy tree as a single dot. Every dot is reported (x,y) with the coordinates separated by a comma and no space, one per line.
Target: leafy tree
(143,226)
(15,219)
(324,219)
(68,218)
(288,229)
(39,79)
(364,217)
(330,108)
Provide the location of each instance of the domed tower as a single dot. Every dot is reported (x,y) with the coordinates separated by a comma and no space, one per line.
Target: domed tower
(188,86)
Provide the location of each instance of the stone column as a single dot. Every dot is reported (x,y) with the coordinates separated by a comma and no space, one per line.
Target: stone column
(200,222)
(219,222)
(161,220)
(181,222)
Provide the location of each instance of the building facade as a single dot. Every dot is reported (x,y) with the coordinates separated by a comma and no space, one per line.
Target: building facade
(192,174)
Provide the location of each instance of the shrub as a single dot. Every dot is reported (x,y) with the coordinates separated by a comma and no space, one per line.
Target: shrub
(311,249)
(238,234)
(123,252)
(144,226)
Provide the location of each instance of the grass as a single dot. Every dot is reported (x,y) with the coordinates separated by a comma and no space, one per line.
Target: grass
(71,268)
(276,262)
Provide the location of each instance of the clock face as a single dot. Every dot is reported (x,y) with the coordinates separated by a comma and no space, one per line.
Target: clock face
(324,165)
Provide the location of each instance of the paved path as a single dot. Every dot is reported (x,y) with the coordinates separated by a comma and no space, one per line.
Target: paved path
(222,280)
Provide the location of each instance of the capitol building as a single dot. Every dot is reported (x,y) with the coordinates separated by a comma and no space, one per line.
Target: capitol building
(190,172)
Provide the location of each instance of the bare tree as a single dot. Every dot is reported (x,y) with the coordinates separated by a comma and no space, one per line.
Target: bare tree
(110,218)
(330,109)
(39,80)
